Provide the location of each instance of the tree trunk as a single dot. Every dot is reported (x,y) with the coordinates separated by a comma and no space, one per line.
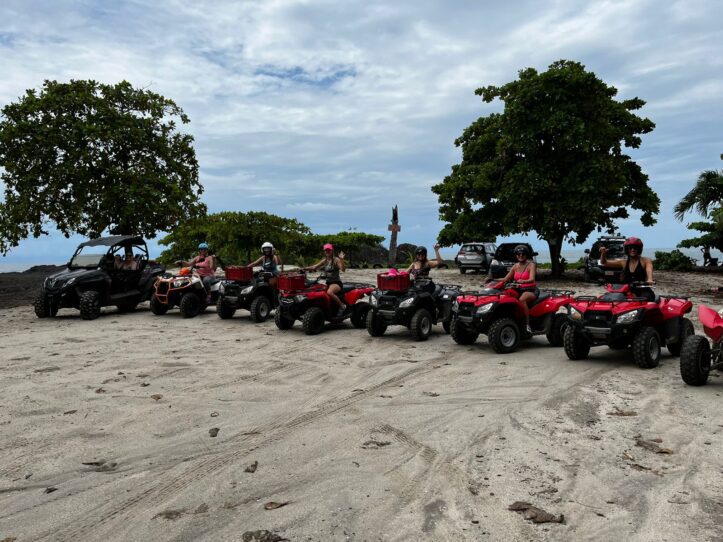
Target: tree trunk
(555,246)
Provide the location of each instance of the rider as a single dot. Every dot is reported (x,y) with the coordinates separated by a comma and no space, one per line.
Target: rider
(270,262)
(204,264)
(332,265)
(635,267)
(523,275)
(421,265)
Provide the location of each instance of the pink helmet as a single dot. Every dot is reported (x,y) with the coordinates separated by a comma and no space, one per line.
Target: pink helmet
(328,246)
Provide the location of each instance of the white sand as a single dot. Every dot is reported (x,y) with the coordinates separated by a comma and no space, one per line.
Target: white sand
(347,429)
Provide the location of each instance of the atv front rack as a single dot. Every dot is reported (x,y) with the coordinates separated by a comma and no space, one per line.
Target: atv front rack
(594,299)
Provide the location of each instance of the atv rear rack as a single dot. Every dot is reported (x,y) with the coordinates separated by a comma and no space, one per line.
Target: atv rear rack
(556,293)
(593,299)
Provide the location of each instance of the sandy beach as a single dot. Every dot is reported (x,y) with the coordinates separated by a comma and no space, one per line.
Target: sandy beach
(106,433)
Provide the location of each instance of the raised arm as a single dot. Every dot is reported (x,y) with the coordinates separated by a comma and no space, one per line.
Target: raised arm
(648,263)
(340,261)
(437,257)
(604,261)
(279,261)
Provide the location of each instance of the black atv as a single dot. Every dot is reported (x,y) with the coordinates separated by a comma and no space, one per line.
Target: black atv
(255,295)
(418,307)
(92,279)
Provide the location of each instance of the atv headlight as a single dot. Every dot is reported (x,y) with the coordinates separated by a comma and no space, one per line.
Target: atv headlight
(575,314)
(179,283)
(406,303)
(627,317)
(299,298)
(246,290)
(494,262)
(487,307)
(562,310)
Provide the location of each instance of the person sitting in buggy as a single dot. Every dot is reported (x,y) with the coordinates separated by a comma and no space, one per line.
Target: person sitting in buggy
(523,275)
(204,264)
(128,262)
(270,262)
(635,267)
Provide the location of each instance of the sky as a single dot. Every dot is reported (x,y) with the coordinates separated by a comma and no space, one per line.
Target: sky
(332,112)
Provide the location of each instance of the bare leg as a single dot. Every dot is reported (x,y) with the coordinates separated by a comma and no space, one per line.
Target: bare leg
(332,291)
(527,298)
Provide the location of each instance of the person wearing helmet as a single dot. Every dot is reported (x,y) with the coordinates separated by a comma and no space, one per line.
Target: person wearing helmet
(270,262)
(523,275)
(204,264)
(421,265)
(635,267)
(332,265)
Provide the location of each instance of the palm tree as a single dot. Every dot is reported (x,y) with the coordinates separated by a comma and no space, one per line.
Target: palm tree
(706,196)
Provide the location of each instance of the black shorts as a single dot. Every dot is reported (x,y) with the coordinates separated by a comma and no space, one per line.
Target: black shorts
(330,282)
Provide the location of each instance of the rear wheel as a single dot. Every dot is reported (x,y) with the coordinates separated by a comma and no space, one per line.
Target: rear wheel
(90,305)
(576,347)
(421,325)
(43,306)
(224,310)
(359,315)
(504,335)
(260,309)
(646,348)
(158,308)
(461,334)
(281,321)
(190,305)
(557,330)
(686,330)
(695,360)
(313,321)
(376,326)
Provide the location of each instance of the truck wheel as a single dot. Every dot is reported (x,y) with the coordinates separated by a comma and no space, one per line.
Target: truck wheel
(376,326)
(504,335)
(43,307)
(461,334)
(190,305)
(224,310)
(695,360)
(313,321)
(646,348)
(576,347)
(359,315)
(89,305)
(260,309)
(686,330)
(557,330)
(282,322)
(158,308)
(421,325)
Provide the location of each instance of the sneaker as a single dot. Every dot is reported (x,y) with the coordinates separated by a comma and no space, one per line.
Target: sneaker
(342,309)
(528,329)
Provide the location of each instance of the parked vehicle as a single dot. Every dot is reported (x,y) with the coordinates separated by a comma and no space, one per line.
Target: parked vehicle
(309,302)
(475,257)
(593,269)
(623,318)
(396,302)
(504,259)
(698,357)
(498,313)
(92,279)
(185,291)
(244,289)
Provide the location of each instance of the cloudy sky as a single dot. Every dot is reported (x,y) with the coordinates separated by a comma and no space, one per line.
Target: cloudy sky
(331,112)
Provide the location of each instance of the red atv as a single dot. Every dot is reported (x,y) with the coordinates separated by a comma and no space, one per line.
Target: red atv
(497,312)
(309,302)
(629,315)
(698,358)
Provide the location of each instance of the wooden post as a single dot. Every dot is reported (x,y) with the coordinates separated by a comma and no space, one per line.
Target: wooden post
(394,227)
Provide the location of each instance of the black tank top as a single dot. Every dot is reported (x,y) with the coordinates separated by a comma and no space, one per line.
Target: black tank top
(637,275)
(421,272)
(331,271)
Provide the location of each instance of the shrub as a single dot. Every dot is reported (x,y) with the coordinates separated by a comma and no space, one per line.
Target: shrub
(673,261)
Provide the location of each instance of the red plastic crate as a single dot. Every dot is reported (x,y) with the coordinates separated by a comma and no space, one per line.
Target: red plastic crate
(397,283)
(240,273)
(292,281)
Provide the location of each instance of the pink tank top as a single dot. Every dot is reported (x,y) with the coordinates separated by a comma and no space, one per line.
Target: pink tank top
(525,275)
(204,268)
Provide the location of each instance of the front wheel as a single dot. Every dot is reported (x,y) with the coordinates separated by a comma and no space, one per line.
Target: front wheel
(313,321)
(646,348)
(504,335)
(43,306)
(686,330)
(260,309)
(376,326)
(421,325)
(158,308)
(576,347)
(359,315)
(281,321)
(90,305)
(461,334)
(190,305)
(557,330)
(695,360)
(224,310)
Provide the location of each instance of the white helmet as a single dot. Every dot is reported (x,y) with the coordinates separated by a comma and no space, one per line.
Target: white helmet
(267,245)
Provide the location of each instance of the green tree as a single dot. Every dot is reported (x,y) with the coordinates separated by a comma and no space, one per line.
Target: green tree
(706,198)
(90,158)
(552,162)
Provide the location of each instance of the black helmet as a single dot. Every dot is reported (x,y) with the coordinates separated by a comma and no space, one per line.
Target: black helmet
(422,251)
(522,249)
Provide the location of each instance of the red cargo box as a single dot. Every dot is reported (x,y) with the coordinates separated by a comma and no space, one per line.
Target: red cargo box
(292,281)
(397,283)
(240,273)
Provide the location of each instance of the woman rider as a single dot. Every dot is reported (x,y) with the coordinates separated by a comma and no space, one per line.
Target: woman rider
(332,265)
(523,274)
(204,264)
(270,262)
(421,265)
(635,267)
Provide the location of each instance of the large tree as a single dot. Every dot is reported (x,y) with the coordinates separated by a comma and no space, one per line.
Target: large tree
(552,162)
(91,158)
(706,198)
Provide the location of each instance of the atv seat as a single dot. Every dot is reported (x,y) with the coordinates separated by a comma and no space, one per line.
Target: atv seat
(541,297)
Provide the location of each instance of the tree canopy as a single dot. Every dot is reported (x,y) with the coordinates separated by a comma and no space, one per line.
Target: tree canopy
(552,162)
(91,158)
(706,198)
